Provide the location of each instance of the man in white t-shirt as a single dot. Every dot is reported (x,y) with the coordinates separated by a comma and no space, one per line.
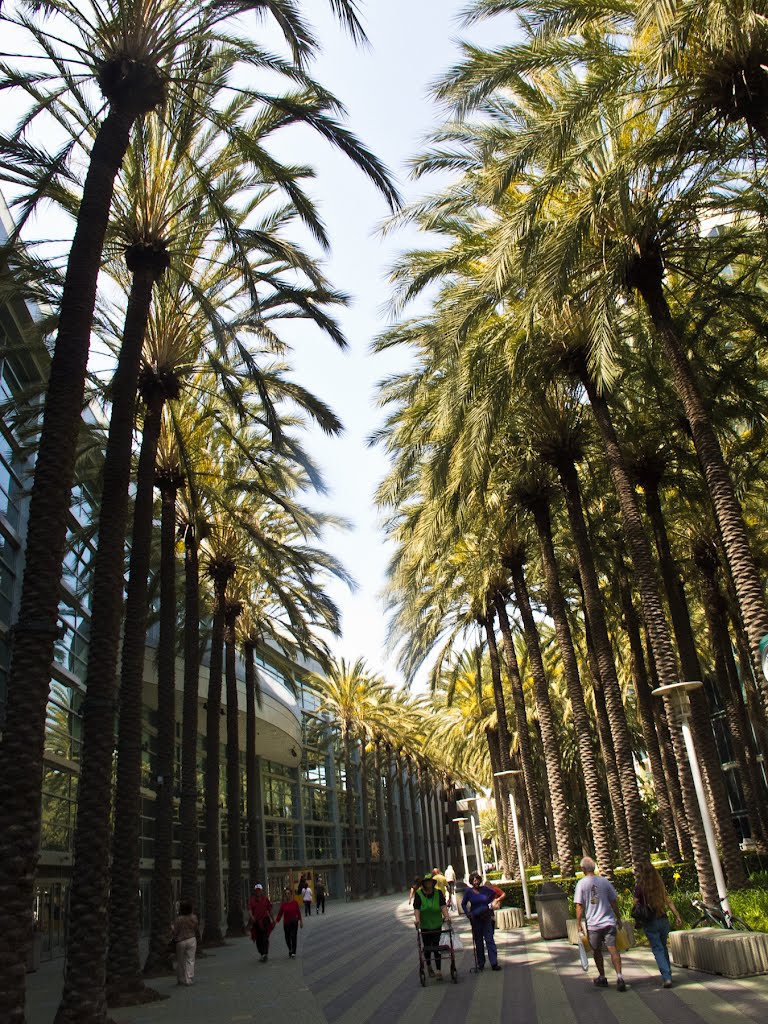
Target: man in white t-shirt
(307,897)
(598,917)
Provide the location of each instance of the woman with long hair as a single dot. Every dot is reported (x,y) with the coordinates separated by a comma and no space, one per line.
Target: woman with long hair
(651,892)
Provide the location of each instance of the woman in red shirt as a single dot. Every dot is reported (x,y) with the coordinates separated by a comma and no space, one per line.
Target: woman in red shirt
(261,920)
(291,915)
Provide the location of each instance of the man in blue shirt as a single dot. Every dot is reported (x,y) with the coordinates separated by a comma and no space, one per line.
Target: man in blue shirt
(478,904)
(598,917)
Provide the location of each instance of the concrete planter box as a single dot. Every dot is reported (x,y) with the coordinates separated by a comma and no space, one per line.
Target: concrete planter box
(717,951)
(508,918)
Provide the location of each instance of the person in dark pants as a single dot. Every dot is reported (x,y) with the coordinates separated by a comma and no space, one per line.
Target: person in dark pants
(307,897)
(291,917)
(478,904)
(319,896)
(430,910)
(261,922)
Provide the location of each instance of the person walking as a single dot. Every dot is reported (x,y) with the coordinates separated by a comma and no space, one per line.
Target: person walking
(183,932)
(261,921)
(319,896)
(650,913)
(478,904)
(450,878)
(290,915)
(415,886)
(430,910)
(598,917)
(307,897)
(441,882)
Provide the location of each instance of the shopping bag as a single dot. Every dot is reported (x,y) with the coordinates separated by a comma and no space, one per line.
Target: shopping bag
(445,939)
(622,939)
(583,954)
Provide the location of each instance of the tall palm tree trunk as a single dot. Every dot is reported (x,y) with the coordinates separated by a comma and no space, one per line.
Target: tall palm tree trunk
(158,958)
(653,613)
(622,743)
(188,808)
(212,934)
(540,834)
(36,630)
(550,742)
(505,762)
(384,835)
(366,816)
(398,862)
(410,861)
(235,925)
(493,738)
(418,834)
(701,721)
(733,531)
(645,707)
(426,816)
(349,792)
(124,982)
(251,789)
(581,720)
(743,743)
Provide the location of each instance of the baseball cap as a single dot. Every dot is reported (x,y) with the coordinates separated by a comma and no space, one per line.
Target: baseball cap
(258,886)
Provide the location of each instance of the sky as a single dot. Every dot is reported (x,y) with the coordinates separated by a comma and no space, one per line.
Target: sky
(385,89)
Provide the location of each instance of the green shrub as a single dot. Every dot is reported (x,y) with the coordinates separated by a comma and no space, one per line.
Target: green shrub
(751,905)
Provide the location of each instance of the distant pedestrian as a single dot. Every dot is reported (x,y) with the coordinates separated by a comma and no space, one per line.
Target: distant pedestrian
(478,904)
(302,885)
(450,878)
(599,918)
(441,882)
(291,917)
(415,886)
(261,921)
(183,932)
(320,896)
(307,897)
(651,893)
(430,910)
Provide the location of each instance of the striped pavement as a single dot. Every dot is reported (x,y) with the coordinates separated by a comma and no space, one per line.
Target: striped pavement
(358,964)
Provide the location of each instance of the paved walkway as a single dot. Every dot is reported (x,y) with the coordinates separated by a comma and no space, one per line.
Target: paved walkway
(358,964)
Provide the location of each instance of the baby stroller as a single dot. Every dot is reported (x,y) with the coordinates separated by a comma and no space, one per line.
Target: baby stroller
(446,946)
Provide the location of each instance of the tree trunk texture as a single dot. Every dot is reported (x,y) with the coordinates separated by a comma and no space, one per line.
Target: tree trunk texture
(644,701)
(235,925)
(701,715)
(655,620)
(493,738)
(366,816)
(730,520)
(613,778)
(744,752)
(581,721)
(398,855)
(124,980)
(410,861)
(606,666)
(159,960)
(505,744)
(543,851)
(251,789)
(425,816)
(418,835)
(212,934)
(349,794)
(36,630)
(189,725)
(551,744)
(385,845)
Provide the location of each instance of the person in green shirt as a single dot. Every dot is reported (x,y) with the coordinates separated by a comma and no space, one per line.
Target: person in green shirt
(430,910)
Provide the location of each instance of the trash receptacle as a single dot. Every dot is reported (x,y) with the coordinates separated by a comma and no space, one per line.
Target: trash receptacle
(552,910)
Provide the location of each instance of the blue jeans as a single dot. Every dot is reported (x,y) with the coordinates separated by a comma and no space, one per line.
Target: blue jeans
(482,932)
(658,932)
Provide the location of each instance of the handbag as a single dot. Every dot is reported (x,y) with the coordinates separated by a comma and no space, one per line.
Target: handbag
(641,914)
(445,939)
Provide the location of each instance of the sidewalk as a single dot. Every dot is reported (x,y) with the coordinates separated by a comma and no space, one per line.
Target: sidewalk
(358,964)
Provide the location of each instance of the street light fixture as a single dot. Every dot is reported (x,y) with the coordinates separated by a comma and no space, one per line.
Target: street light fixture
(461,822)
(681,708)
(518,844)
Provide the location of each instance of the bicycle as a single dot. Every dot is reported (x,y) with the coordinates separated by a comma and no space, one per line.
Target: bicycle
(718,917)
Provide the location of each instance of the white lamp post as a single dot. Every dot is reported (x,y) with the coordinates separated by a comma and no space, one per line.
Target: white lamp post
(681,706)
(521,865)
(461,822)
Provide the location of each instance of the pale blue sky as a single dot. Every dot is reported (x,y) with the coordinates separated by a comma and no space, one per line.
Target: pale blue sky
(385,90)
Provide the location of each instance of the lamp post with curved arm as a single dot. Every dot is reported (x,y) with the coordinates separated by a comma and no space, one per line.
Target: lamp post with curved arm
(461,822)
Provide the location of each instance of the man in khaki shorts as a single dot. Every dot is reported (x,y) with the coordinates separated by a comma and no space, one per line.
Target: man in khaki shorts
(598,917)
